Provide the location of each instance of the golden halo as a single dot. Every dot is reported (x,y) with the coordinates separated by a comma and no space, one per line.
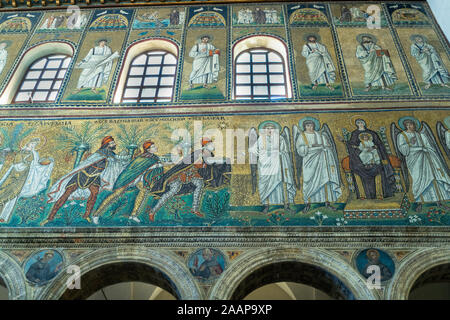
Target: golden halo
(358,116)
(40,145)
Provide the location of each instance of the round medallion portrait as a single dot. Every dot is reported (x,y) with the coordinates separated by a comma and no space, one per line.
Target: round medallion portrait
(43,266)
(206,264)
(369,260)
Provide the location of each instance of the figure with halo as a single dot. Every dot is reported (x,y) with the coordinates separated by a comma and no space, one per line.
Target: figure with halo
(317,162)
(443,131)
(26,177)
(3,53)
(205,68)
(271,165)
(321,68)
(433,68)
(417,148)
(376,62)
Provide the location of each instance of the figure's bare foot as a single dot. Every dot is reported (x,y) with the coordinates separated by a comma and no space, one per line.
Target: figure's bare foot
(445,85)
(427,86)
(367,89)
(330,87)
(197,213)
(314,87)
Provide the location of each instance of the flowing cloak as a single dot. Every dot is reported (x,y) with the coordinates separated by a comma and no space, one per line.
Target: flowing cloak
(23,179)
(272,159)
(319,168)
(3,56)
(214,175)
(95,73)
(425,167)
(431,63)
(319,63)
(108,176)
(174,18)
(375,67)
(205,68)
(141,166)
(259,16)
(368,174)
(385,273)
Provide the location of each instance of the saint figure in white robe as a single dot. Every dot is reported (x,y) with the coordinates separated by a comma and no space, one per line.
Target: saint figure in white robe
(376,62)
(319,165)
(433,68)
(321,68)
(275,174)
(205,68)
(430,179)
(3,55)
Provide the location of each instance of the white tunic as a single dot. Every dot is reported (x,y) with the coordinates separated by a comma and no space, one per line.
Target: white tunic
(205,68)
(430,181)
(3,57)
(274,166)
(95,73)
(376,68)
(320,66)
(319,170)
(433,69)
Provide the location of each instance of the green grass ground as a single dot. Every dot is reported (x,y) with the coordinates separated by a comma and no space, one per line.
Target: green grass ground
(397,89)
(200,93)
(321,91)
(88,95)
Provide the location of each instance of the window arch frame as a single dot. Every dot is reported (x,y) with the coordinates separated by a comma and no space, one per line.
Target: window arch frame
(136,49)
(266,42)
(31,55)
(266,63)
(39,79)
(145,76)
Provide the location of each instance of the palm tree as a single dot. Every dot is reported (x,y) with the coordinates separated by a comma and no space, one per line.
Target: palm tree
(132,137)
(80,140)
(11,139)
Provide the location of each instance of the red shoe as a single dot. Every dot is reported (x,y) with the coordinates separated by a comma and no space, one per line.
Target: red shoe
(151,216)
(198,214)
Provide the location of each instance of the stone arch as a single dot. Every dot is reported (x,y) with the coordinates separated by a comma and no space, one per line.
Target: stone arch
(412,267)
(13,277)
(246,264)
(34,53)
(164,263)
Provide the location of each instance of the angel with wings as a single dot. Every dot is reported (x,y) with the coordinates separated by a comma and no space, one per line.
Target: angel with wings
(316,160)
(443,131)
(417,148)
(271,165)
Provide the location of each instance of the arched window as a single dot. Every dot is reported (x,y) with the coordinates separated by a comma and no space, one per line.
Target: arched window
(151,77)
(260,74)
(261,69)
(43,79)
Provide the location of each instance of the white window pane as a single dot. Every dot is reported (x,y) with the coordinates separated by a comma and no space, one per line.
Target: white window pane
(40,64)
(245,57)
(45,85)
(243,90)
(156,53)
(257,68)
(66,63)
(151,81)
(244,98)
(242,68)
(274,57)
(23,96)
(33,74)
(130,101)
(53,64)
(168,70)
(154,60)
(153,70)
(131,93)
(140,60)
(258,50)
(259,58)
(61,74)
(167,81)
(147,100)
(28,85)
(163,100)
(56,57)
(52,96)
(165,92)
(259,79)
(148,93)
(170,59)
(57,85)
(276,68)
(40,96)
(49,74)
(260,90)
(243,79)
(277,90)
(276,78)
(134,82)
(137,71)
